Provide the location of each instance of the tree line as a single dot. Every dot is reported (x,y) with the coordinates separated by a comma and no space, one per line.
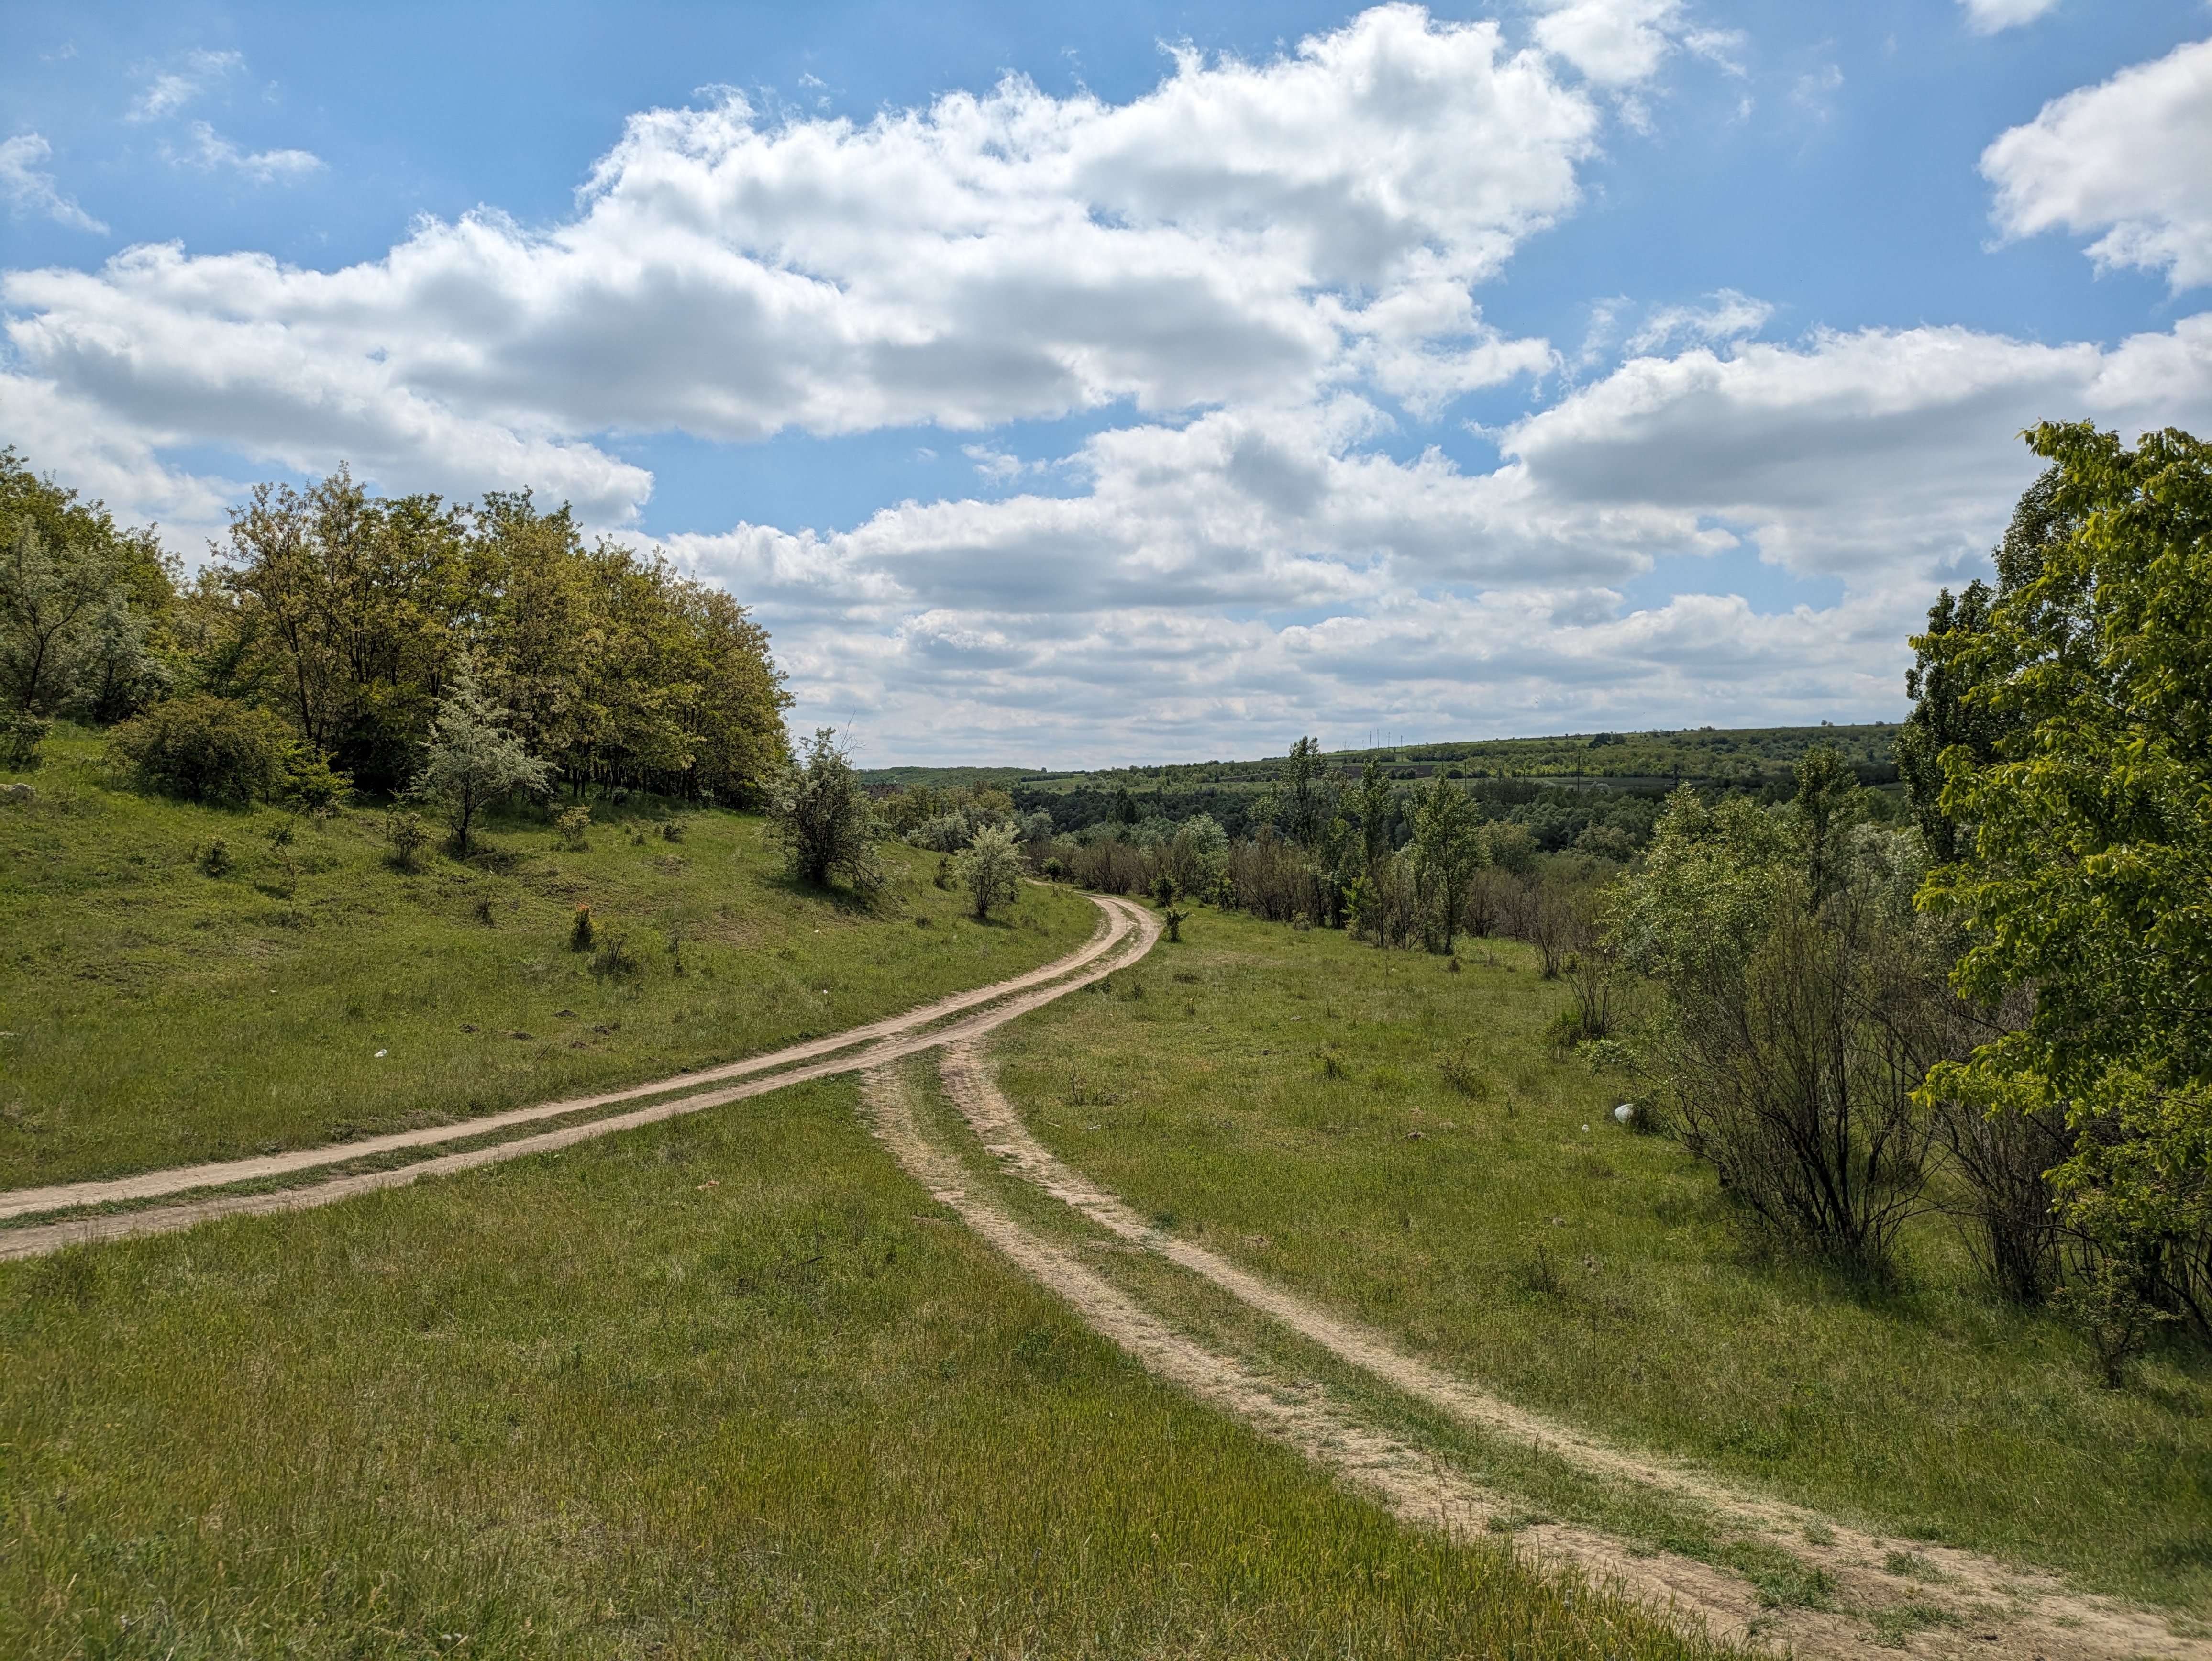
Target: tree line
(332,625)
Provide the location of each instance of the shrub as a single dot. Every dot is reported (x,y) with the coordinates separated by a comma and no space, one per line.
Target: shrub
(21,733)
(204,748)
(312,783)
(1464,1073)
(617,958)
(215,858)
(1802,1003)
(570,824)
(580,930)
(947,833)
(824,819)
(990,869)
(407,836)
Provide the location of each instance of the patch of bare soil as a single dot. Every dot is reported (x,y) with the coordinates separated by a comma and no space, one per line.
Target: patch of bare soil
(1959,1603)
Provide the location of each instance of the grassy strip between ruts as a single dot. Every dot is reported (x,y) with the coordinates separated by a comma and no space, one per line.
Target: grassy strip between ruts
(717,1386)
(1397,1141)
(152,1014)
(1535,1484)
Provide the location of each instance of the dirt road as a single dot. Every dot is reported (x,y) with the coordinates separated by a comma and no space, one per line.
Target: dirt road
(1950,1604)
(1126,932)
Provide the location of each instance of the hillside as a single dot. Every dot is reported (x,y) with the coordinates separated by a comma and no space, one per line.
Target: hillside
(161,1005)
(1736,757)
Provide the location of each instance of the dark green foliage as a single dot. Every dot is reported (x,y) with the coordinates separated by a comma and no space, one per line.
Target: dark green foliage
(2088,882)
(202,748)
(21,733)
(1943,671)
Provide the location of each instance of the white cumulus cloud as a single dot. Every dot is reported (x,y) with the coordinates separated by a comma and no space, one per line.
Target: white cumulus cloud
(1615,43)
(2126,156)
(1245,231)
(1262,565)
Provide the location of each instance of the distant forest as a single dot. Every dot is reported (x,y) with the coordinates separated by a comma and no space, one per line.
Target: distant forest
(1594,789)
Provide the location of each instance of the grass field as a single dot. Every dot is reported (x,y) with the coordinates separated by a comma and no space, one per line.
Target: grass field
(154,1015)
(723,1386)
(1398,1140)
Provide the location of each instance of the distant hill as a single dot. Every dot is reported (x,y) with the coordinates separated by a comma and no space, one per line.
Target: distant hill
(1743,757)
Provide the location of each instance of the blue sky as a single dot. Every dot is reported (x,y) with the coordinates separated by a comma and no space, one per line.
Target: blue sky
(1240,371)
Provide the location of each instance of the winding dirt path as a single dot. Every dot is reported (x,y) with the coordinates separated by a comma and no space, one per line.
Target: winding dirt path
(1303,1415)
(1126,933)
(1967,1605)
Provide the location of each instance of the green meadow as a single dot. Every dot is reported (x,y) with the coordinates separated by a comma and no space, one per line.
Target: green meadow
(723,1386)
(157,1014)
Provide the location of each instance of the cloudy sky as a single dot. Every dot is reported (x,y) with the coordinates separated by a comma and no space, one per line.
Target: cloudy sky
(1151,382)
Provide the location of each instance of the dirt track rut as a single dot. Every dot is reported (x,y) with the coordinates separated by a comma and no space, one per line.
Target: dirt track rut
(1970,1605)
(1126,932)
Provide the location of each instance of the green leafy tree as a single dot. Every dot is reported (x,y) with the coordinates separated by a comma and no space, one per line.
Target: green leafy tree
(53,602)
(1801,1000)
(1307,807)
(84,604)
(1375,804)
(990,868)
(1944,673)
(473,759)
(2088,879)
(1447,850)
(824,819)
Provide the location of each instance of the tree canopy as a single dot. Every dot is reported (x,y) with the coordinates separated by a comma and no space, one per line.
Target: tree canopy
(2085,874)
(345,612)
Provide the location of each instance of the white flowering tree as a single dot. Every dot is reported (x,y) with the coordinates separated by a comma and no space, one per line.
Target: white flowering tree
(474,758)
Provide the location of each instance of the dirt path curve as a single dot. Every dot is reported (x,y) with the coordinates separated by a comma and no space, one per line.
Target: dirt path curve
(1299,1414)
(177,1179)
(1127,934)
(1976,1604)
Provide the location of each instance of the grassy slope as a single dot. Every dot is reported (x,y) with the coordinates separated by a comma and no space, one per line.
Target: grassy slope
(591,1405)
(155,1015)
(1595,1273)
